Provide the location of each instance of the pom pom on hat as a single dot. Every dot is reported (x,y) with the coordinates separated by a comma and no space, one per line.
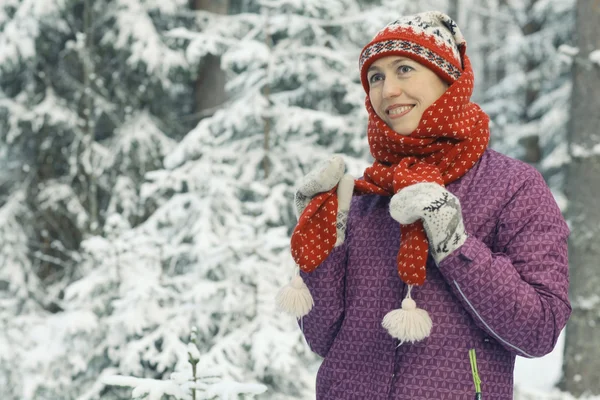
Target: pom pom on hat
(430,38)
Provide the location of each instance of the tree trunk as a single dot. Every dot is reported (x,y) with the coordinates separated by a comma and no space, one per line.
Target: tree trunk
(210,86)
(92,192)
(533,152)
(267,94)
(490,38)
(582,347)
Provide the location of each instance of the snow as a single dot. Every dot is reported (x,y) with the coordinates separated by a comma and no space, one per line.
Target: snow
(138,34)
(589,303)
(581,151)
(154,389)
(568,50)
(57,195)
(195,241)
(228,390)
(18,39)
(540,374)
(595,57)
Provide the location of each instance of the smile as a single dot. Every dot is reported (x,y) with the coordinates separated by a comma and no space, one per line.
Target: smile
(398,112)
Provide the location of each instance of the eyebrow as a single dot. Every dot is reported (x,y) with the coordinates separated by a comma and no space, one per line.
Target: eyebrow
(392,64)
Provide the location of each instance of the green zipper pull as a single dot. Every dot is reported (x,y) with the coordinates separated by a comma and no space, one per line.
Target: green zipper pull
(476,380)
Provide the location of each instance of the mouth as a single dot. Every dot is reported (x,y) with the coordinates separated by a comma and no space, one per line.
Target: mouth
(398,111)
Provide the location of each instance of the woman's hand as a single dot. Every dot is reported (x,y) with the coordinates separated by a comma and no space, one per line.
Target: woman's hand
(323,178)
(440,212)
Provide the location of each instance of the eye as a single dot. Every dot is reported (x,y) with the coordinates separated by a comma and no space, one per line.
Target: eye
(404,69)
(375,78)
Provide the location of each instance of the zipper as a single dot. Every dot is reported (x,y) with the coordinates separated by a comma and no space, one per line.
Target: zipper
(487,326)
(476,379)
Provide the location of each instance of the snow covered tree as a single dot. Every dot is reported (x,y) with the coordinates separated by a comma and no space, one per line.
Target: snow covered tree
(91,98)
(128,222)
(529,105)
(216,250)
(582,347)
(224,202)
(132,254)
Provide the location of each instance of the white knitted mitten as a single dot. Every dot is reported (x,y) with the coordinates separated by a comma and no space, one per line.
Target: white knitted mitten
(440,212)
(323,178)
(295,298)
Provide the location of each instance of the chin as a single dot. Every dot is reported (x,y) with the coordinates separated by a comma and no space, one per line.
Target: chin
(402,131)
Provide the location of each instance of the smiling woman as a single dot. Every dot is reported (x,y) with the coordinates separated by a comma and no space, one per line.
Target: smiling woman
(446,259)
(401,89)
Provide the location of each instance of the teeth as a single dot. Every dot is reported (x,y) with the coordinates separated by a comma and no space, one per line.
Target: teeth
(400,110)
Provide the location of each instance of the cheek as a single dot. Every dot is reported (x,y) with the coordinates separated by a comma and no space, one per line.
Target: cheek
(442,87)
(431,94)
(376,101)
(437,90)
(429,88)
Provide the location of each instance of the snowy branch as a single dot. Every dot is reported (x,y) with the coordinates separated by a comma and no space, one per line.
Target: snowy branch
(595,57)
(156,389)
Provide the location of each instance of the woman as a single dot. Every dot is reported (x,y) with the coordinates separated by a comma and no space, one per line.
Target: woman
(446,259)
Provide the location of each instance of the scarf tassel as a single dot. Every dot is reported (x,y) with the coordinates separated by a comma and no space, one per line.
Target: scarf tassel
(409,323)
(295,298)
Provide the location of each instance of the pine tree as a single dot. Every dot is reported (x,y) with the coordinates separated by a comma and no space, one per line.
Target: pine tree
(529,105)
(581,344)
(216,250)
(226,229)
(131,254)
(91,98)
(129,223)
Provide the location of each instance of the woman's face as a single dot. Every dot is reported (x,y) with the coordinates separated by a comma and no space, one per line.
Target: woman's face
(401,89)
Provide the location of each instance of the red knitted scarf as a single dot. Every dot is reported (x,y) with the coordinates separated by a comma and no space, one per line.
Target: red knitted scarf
(451,137)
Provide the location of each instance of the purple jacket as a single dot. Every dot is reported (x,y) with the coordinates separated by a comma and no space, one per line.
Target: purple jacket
(503,293)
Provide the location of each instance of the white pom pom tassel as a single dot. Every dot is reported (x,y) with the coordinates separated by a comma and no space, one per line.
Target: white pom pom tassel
(408,324)
(295,298)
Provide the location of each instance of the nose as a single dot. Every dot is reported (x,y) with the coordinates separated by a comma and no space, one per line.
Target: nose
(391,88)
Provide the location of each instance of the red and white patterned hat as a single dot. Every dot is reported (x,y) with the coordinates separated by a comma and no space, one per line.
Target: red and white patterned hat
(430,38)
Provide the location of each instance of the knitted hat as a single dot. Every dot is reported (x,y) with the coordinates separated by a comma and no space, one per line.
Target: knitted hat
(430,38)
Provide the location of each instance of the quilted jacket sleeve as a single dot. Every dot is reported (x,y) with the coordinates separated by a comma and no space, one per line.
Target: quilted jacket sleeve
(327,286)
(518,295)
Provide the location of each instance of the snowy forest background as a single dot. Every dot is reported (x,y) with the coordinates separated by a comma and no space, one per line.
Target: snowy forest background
(149,151)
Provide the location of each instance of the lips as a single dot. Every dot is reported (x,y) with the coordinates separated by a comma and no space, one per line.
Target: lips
(399,110)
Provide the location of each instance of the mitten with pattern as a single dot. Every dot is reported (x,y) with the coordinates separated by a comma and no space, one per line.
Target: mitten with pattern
(440,212)
(324,177)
